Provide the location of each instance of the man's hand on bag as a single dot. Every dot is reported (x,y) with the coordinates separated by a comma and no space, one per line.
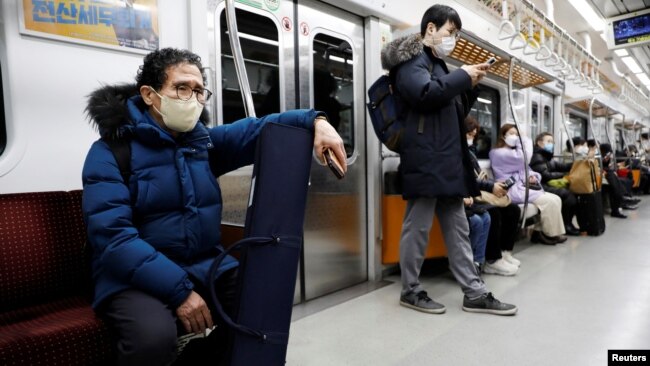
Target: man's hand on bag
(475,72)
(194,314)
(468,201)
(325,136)
(499,189)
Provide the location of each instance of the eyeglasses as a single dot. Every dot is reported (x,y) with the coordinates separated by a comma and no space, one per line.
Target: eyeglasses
(184,92)
(455,34)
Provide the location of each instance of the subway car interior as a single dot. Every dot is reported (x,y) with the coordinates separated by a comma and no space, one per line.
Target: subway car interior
(575,73)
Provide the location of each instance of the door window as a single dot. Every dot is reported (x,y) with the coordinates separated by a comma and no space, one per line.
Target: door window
(3,129)
(486,112)
(259,38)
(333,85)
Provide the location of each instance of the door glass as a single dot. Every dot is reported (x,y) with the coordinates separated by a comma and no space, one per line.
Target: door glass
(334,85)
(547,126)
(258,36)
(486,112)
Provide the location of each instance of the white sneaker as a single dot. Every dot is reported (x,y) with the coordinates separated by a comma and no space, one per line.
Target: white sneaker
(507,255)
(500,267)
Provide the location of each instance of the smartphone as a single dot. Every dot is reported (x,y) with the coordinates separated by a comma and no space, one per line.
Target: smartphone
(333,164)
(491,60)
(509,182)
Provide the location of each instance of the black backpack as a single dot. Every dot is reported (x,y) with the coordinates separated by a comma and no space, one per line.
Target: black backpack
(121,149)
(385,108)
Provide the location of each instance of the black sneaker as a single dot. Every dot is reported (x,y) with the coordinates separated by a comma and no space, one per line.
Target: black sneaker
(421,302)
(488,304)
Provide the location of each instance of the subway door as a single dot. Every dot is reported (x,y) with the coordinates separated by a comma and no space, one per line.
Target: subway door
(330,75)
(266,35)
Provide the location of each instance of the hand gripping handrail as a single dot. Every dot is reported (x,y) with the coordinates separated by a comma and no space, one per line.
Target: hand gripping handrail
(238,58)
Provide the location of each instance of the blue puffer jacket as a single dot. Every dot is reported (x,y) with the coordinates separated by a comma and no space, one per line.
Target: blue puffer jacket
(162,232)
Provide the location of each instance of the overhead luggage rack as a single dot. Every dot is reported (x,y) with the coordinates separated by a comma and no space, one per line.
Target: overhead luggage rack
(469,52)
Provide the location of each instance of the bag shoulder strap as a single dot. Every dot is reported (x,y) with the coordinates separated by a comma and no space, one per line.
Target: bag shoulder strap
(121,149)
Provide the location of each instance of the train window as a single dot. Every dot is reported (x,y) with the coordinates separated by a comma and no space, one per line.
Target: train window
(259,37)
(3,129)
(577,126)
(486,111)
(334,85)
(534,119)
(547,125)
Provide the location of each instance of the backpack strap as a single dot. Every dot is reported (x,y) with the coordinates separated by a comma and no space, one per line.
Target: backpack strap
(121,149)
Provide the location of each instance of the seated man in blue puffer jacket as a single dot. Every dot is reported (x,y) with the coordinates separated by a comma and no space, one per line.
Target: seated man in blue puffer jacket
(154,239)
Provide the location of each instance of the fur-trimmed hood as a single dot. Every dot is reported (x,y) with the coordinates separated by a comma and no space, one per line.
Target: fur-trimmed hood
(107,108)
(401,50)
(110,111)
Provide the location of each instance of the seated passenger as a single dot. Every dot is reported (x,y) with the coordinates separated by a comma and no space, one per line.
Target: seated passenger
(508,162)
(504,221)
(615,189)
(154,239)
(479,227)
(552,170)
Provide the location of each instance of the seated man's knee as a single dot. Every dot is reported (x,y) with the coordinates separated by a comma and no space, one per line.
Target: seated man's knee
(150,340)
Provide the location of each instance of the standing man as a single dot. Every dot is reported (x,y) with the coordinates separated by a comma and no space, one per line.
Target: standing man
(154,235)
(435,165)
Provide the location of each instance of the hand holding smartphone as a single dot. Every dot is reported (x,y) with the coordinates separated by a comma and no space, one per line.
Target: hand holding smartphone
(491,61)
(333,164)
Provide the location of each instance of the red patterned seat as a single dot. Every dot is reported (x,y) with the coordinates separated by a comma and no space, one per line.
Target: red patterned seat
(45,291)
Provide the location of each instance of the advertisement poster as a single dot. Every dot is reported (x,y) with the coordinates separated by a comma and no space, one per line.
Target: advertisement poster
(130,25)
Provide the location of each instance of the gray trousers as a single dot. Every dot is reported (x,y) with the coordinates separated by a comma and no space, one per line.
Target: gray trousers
(415,238)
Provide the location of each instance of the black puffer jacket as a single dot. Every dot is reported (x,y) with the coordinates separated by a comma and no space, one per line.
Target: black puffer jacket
(543,163)
(435,161)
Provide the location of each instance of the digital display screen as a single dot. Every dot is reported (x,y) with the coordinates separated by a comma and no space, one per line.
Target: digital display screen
(632,30)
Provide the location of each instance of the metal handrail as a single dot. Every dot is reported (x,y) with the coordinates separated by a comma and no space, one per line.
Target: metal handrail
(240,67)
(521,141)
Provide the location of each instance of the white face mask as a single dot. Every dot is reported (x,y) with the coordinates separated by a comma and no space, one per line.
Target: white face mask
(582,150)
(470,142)
(446,46)
(179,115)
(511,140)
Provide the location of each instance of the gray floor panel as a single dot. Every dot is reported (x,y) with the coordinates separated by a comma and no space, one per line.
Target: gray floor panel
(576,300)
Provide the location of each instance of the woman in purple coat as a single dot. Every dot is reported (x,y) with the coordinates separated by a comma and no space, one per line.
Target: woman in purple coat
(507,161)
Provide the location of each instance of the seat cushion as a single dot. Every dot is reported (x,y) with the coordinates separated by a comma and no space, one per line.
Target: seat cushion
(64,332)
(42,255)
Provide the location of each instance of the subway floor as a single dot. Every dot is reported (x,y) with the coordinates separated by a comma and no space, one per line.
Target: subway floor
(576,300)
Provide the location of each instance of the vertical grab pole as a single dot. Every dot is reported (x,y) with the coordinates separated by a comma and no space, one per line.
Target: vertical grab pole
(566,129)
(591,127)
(238,58)
(521,140)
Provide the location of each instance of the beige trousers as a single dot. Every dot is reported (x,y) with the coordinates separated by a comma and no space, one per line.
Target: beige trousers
(550,207)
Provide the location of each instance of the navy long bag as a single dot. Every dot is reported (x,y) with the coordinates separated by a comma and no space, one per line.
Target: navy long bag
(271,247)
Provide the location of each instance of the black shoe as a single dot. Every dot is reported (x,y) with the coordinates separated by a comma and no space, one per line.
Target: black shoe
(618,214)
(559,239)
(571,230)
(629,207)
(631,201)
(539,237)
(422,302)
(486,303)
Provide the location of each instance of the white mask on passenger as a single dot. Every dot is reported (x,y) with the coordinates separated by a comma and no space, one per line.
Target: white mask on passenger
(470,142)
(511,140)
(179,115)
(582,150)
(446,46)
